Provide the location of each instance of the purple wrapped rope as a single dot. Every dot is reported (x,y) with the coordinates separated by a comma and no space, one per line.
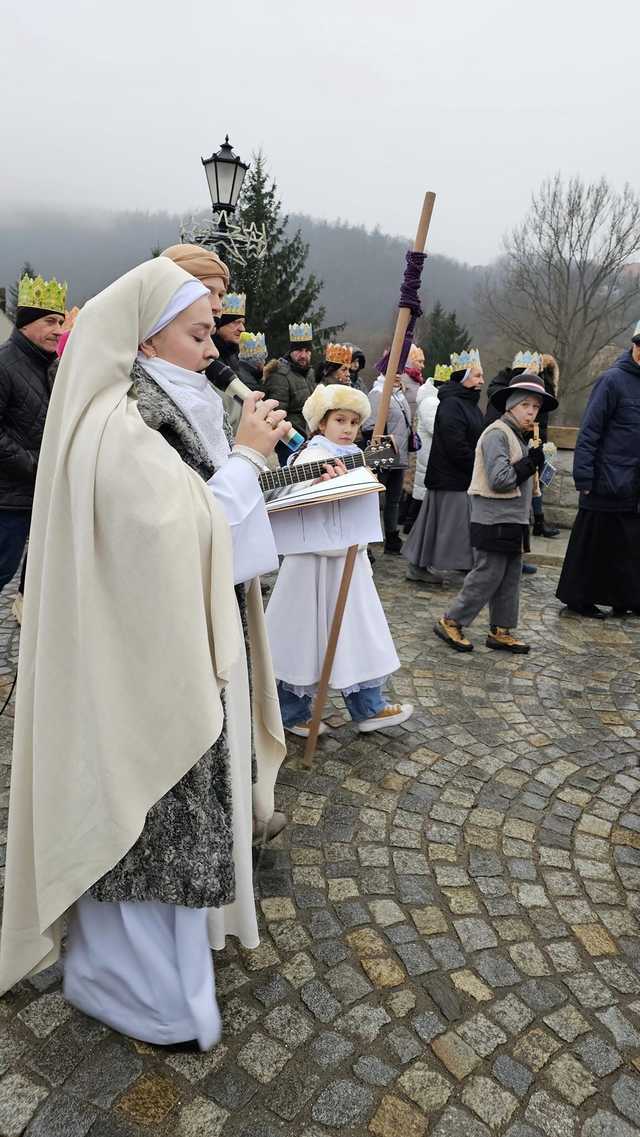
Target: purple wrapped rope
(409,298)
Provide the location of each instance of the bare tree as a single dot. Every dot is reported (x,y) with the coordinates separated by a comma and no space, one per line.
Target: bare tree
(563,284)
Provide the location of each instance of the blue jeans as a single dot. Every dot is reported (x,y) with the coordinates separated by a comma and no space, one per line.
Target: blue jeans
(14,530)
(361,705)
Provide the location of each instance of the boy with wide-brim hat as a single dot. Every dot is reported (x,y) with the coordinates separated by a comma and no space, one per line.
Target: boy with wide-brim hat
(501,490)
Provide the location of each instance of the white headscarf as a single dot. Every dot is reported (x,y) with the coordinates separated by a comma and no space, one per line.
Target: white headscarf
(186,295)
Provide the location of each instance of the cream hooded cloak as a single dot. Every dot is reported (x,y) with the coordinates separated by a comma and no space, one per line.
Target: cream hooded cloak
(130,630)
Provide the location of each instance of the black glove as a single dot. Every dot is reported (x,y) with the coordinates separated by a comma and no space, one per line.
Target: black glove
(536,453)
(524,469)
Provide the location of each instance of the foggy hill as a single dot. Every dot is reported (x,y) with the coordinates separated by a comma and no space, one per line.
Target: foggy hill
(361,270)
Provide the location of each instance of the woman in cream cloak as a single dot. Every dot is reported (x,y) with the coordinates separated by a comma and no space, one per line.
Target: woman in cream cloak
(132,668)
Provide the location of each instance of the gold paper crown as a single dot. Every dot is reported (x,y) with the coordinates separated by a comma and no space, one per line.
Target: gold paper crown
(442,373)
(338,353)
(39,293)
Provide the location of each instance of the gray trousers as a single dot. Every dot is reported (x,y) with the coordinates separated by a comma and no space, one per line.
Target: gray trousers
(493,580)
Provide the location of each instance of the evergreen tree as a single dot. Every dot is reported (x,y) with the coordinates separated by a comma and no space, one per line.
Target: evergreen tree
(12,299)
(278,291)
(443,335)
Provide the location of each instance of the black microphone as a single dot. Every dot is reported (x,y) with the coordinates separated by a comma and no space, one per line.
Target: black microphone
(225,379)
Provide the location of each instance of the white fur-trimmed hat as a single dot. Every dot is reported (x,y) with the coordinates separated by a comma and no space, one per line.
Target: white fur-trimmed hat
(334,397)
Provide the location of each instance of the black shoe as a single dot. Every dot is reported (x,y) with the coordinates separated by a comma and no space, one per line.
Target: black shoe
(589,612)
(541,529)
(393,542)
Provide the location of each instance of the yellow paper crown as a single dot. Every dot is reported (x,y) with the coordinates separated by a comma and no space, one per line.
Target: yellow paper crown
(39,293)
(442,373)
(338,353)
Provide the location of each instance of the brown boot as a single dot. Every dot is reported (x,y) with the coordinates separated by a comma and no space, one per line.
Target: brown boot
(451,632)
(500,639)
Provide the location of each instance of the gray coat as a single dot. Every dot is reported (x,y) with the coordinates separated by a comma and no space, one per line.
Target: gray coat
(184,854)
(502,478)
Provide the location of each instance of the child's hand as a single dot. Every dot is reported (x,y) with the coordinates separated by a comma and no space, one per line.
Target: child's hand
(332,471)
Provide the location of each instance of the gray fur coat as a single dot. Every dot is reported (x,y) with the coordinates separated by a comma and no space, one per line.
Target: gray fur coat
(184,854)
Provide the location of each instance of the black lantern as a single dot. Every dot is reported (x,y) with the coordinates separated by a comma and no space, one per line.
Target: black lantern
(225,175)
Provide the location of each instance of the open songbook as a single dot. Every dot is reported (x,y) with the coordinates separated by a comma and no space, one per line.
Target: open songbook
(353,484)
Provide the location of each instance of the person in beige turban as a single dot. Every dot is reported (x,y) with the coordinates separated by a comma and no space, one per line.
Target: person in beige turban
(206,266)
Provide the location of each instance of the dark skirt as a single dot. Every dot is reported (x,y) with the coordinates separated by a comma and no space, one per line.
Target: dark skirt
(602,564)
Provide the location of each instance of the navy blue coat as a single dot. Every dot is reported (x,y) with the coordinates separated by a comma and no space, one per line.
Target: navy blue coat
(607,457)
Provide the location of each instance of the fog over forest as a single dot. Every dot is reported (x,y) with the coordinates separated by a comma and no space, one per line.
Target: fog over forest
(361,270)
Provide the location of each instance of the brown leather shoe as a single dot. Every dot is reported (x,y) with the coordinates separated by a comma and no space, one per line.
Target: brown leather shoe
(451,632)
(500,639)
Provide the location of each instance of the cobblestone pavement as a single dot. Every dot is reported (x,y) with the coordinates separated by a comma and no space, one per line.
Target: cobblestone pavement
(451,921)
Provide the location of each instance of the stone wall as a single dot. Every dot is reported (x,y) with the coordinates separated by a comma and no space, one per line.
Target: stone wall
(561,497)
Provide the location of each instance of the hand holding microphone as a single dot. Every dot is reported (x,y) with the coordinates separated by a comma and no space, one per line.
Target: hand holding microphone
(224,379)
(262,425)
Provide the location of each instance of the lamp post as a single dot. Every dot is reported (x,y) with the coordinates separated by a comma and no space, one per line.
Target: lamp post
(225,173)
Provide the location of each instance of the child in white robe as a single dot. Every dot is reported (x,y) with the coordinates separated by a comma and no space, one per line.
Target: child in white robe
(301,607)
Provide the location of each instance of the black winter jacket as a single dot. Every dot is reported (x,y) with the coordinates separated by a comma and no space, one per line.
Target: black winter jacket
(499,381)
(25,390)
(457,428)
(291,387)
(607,456)
(251,374)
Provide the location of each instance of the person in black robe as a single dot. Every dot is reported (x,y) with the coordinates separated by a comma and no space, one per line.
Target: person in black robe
(602,563)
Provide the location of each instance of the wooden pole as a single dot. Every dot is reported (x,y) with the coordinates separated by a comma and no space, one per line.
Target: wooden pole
(330,654)
(402,323)
(537,492)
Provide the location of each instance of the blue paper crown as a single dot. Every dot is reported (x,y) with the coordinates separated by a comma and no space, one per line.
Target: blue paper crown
(636,330)
(234,304)
(300,333)
(466,359)
(530,360)
(253,345)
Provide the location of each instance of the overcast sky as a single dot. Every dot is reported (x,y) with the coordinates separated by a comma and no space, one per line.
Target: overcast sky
(359,105)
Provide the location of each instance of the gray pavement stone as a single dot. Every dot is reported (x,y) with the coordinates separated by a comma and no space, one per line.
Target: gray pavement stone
(330,1049)
(19,1099)
(606,1124)
(343,1103)
(598,1055)
(61,1116)
(512,1075)
(374,1071)
(105,1074)
(626,1095)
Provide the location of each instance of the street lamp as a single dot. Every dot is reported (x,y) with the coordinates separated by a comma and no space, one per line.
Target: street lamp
(233,240)
(225,175)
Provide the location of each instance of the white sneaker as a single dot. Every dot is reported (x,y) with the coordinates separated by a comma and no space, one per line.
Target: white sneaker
(392,715)
(303,729)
